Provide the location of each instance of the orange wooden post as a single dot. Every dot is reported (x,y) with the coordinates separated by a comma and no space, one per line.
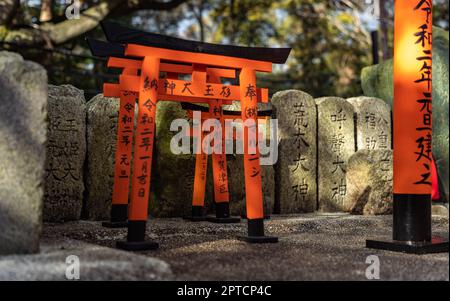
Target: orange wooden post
(143,152)
(219,161)
(122,164)
(412,131)
(220,173)
(252,168)
(198,198)
(200,171)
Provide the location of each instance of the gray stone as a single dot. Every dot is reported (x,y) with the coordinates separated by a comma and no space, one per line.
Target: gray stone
(102,114)
(236,186)
(377,81)
(66,152)
(172,175)
(336,144)
(369,183)
(296,174)
(441,210)
(23,129)
(373,123)
(95,262)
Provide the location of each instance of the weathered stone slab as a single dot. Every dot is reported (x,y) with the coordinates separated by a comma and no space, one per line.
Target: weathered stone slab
(66,152)
(377,81)
(96,263)
(336,135)
(102,114)
(172,175)
(369,182)
(373,123)
(438,209)
(23,129)
(236,186)
(296,175)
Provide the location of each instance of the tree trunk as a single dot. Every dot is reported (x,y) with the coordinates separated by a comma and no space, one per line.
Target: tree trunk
(67,30)
(384,16)
(201,24)
(46,11)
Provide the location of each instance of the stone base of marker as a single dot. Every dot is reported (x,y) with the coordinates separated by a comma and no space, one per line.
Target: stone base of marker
(223,215)
(369,183)
(256,233)
(411,228)
(136,238)
(119,217)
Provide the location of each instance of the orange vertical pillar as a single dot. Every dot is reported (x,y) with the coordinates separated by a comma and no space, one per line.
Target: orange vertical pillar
(220,172)
(412,133)
(143,152)
(252,168)
(198,197)
(122,163)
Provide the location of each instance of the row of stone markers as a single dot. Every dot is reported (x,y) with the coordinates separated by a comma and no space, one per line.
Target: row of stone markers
(80,161)
(310,173)
(317,137)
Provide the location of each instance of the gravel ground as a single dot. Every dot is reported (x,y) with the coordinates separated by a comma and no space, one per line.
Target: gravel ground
(311,247)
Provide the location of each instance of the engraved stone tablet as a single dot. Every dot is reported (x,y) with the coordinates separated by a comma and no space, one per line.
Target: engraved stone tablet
(336,135)
(66,151)
(296,188)
(373,123)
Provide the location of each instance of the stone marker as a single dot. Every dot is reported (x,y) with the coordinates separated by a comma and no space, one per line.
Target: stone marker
(369,182)
(236,186)
(296,186)
(438,209)
(66,152)
(102,114)
(373,123)
(336,134)
(172,175)
(23,129)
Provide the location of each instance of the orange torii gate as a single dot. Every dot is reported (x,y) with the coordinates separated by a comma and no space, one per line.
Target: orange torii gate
(220,177)
(127,98)
(141,78)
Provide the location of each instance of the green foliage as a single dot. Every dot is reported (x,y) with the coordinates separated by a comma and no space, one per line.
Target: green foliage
(329,43)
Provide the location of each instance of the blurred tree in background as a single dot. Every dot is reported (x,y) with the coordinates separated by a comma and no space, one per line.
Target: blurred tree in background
(330,39)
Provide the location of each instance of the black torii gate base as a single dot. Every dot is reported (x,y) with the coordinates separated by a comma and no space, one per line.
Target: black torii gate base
(411,227)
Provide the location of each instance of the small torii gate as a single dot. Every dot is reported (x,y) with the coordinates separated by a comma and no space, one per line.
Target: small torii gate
(119,215)
(144,57)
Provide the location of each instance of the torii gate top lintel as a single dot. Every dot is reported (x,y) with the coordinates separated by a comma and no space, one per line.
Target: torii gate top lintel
(120,34)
